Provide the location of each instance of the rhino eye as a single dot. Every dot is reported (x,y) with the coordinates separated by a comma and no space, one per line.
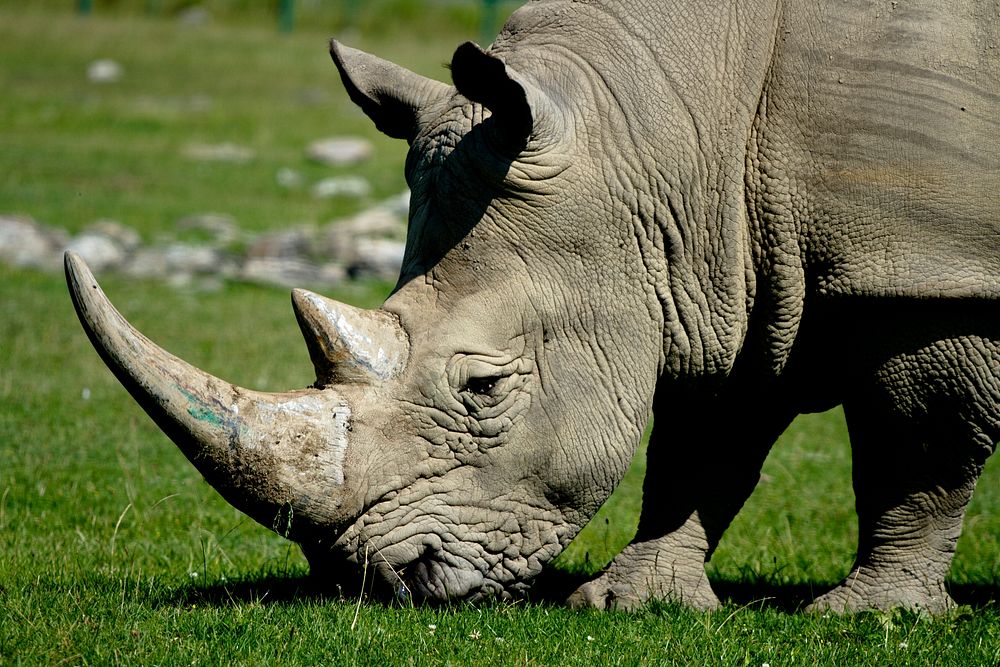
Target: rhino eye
(483,386)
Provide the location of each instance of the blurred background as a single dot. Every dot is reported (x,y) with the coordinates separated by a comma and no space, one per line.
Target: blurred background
(202,141)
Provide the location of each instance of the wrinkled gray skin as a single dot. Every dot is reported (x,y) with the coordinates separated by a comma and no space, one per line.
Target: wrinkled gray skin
(725,214)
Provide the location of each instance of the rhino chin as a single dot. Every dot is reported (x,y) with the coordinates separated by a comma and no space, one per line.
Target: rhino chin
(278,457)
(435,581)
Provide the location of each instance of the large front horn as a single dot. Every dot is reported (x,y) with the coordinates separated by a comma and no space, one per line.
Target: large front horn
(277,457)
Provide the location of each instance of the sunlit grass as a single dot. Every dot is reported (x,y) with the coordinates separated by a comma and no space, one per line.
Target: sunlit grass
(115,551)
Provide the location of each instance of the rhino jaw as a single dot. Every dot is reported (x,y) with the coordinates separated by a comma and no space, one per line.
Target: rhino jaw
(279,457)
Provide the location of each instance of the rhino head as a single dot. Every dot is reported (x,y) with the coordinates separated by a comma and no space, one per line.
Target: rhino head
(457,438)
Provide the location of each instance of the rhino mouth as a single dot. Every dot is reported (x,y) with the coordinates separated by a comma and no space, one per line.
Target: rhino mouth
(432,578)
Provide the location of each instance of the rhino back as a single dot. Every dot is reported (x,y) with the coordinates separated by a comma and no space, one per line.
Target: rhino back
(880,128)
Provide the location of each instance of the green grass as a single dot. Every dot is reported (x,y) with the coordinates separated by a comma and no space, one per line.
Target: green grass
(114,551)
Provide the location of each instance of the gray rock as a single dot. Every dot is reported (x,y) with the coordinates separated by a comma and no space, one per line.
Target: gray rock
(189,258)
(339,151)
(101,252)
(330,273)
(298,242)
(126,237)
(180,260)
(379,258)
(340,238)
(398,205)
(194,16)
(370,244)
(341,186)
(105,70)
(220,227)
(195,103)
(289,178)
(149,262)
(224,152)
(376,221)
(180,104)
(290,272)
(25,243)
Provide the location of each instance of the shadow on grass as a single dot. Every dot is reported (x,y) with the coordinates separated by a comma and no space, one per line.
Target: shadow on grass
(976,596)
(551,588)
(796,597)
(555,587)
(260,589)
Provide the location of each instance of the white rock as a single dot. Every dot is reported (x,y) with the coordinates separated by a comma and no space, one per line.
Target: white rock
(187,258)
(331,274)
(289,178)
(25,243)
(224,152)
(194,16)
(177,262)
(398,205)
(290,272)
(222,228)
(101,252)
(126,237)
(341,186)
(291,243)
(147,263)
(340,151)
(340,239)
(373,222)
(105,70)
(376,257)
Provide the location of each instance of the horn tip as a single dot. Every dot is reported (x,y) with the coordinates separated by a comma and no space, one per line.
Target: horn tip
(303,299)
(73,262)
(78,273)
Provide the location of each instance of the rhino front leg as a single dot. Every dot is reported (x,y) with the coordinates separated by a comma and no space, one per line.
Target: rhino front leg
(698,475)
(920,441)
(669,567)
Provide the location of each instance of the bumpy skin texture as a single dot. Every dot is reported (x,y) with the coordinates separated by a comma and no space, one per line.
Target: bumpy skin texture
(747,210)
(871,221)
(760,208)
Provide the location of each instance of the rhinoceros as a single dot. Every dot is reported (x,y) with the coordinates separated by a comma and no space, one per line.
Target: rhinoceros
(723,214)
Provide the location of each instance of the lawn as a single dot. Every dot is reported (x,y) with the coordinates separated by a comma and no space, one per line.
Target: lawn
(114,549)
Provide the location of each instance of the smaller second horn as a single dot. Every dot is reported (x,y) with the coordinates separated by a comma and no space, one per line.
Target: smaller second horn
(349,345)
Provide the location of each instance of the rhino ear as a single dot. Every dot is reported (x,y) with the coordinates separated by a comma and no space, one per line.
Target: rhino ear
(392,96)
(519,110)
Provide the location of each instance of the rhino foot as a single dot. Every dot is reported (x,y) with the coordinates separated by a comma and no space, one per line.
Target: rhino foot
(862,591)
(647,571)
